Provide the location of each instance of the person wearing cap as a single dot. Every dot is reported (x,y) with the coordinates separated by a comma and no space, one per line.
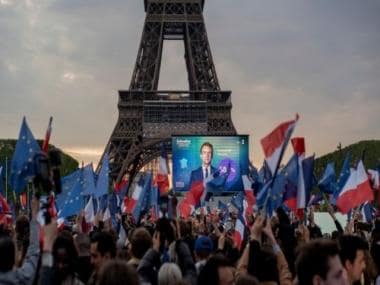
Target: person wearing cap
(202,249)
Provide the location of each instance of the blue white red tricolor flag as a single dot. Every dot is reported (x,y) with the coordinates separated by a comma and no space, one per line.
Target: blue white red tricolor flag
(162,177)
(356,191)
(275,143)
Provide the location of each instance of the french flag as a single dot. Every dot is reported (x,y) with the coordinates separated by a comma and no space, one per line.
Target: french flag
(375,179)
(238,235)
(45,145)
(154,207)
(106,215)
(290,171)
(131,202)
(187,206)
(121,186)
(275,143)
(89,212)
(162,177)
(192,199)
(299,149)
(140,196)
(356,191)
(250,199)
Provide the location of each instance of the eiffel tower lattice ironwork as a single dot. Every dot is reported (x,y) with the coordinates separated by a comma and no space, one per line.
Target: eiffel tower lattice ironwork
(148,117)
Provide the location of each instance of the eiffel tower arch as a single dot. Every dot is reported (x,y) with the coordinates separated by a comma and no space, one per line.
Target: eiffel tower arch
(149,117)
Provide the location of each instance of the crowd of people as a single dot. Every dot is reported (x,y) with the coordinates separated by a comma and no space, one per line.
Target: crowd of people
(197,250)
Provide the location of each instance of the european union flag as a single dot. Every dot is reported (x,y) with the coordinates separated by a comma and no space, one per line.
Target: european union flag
(74,202)
(88,180)
(343,177)
(217,183)
(265,173)
(68,182)
(102,183)
(271,194)
(257,181)
(290,171)
(238,201)
(153,205)
(327,183)
(142,198)
(308,177)
(22,167)
(147,190)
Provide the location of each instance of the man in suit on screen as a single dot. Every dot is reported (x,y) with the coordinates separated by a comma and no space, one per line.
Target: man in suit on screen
(206,171)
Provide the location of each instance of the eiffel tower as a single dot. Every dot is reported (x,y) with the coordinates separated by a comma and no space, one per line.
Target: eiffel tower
(149,117)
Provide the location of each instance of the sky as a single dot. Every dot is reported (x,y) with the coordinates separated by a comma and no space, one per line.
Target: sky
(69,58)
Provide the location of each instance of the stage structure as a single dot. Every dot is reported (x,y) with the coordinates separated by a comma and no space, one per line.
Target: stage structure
(149,117)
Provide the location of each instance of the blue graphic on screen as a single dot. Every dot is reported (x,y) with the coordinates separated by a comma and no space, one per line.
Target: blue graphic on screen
(229,160)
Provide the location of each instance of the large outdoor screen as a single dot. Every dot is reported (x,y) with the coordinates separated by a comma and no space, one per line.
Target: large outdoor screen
(217,161)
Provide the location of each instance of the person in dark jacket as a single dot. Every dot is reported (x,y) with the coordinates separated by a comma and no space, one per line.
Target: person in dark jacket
(26,273)
(84,266)
(103,249)
(64,261)
(166,249)
(217,271)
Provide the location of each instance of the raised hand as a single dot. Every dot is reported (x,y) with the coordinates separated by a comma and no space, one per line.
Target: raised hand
(267,230)
(257,228)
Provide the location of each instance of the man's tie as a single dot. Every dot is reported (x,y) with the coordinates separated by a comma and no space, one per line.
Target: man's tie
(206,172)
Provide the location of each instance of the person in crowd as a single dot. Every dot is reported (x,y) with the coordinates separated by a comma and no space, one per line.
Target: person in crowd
(185,231)
(169,274)
(314,229)
(22,233)
(375,253)
(203,248)
(247,279)
(25,274)
(84,266)
(103,249)
(318,263)
(141,241)
(339,229)
(166,249)
(117,272)
(59,258)
(286,237)
(218,270)
(352,254)
(268,264)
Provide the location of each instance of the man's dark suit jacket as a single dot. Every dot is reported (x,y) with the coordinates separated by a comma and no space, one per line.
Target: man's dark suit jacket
(197,174)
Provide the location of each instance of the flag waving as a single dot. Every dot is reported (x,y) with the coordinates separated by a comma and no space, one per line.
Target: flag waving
(356,191)
(162,178)
(22,167)
(103,181)
(275,143)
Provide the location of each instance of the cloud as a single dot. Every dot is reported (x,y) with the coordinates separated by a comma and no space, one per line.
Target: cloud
(69,58)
